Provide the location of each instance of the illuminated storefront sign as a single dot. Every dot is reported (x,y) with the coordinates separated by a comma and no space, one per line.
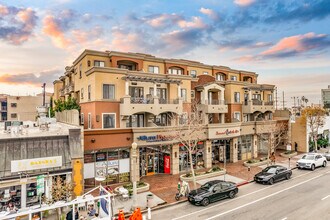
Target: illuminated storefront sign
(155,138)
(36,163)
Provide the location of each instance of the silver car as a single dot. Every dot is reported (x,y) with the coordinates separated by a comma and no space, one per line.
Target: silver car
(311,161)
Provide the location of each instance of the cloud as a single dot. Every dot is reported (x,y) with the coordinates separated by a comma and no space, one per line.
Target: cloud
(128,41)
(55,26)
(160,20)
(196,22)
(244,3)
(241,44)
(211,13)
(294,45)
(298,45)
(16,24)
(38,78)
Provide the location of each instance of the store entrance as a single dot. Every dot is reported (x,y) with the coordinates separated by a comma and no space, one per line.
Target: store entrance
(152,160)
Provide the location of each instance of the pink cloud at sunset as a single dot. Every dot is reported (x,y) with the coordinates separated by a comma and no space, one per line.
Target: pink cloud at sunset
(162,20)
(209,12)
(196,22)
(244,2)
(52,29)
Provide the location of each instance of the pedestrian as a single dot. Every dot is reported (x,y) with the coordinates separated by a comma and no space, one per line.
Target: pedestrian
(272,158)
(296,146)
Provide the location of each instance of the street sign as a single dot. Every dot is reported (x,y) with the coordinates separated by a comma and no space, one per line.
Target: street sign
(40,185)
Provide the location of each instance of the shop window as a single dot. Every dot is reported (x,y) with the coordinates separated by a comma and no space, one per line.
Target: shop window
(109,120)
(89,158)
(101,156)
(113,154)
(124,153)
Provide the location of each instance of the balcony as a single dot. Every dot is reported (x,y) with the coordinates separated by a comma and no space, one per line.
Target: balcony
(132,105)
(3,109)
(214,106)
(255,105)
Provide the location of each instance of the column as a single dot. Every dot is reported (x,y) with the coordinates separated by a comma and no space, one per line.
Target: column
(155,90)
(255,146)
(126,88)
(179,91)
(233,150)
(23,196)
(207,154)
(206,96)
(48,187)
(135,169)
(222,118)
(175,159)
(222,95)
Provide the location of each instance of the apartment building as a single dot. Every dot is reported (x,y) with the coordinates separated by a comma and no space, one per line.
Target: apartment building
(21,108)
(130,97)
(325,94)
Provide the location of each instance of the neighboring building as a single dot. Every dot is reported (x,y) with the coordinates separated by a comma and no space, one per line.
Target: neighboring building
(129,97)
(28,151)
(326,98)
(21,108)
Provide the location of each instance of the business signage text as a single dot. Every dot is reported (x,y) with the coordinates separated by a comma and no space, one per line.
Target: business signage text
(156,138)
(36,164)
(227,132)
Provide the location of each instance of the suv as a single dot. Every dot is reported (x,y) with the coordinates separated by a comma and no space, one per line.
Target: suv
(311,161)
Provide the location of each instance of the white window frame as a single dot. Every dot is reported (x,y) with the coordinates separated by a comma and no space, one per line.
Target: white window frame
(114,91)
(193,73)
(89,123)
(82,120)
(99,63)
(220,77)
(153,69)
(109,113)
(206,73)
(239,114)
(184,98)
(233,78)
(175,71)
(239,97)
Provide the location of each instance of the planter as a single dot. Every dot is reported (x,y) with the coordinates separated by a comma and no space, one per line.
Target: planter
(260,163)
(288,155)
(202,176)
(138,190)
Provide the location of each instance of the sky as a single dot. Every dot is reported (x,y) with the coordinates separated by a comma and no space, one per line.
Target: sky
(286,42)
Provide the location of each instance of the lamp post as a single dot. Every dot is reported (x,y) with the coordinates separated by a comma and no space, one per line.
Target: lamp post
(99,178)
(134,160)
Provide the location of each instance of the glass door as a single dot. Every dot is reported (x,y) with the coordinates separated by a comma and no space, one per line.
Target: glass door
(150,164)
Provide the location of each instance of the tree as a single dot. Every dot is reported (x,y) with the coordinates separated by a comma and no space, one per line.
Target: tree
(69,104)
(314,117)
(275,134)
(188,132)
(61,191)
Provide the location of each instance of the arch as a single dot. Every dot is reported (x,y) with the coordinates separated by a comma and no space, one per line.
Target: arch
(127,64)
(176,70)
(220,76)
(247,79)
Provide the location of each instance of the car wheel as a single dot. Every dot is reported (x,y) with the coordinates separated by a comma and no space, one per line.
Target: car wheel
(324,163)
(232,194)
(287,176)
(205,202)
(271,181)
(313,167)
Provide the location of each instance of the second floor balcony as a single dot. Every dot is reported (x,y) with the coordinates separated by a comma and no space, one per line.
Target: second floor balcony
(251,106)
(132,105)
(214,106)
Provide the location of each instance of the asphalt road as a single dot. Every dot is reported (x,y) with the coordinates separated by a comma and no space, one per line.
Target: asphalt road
(305,196)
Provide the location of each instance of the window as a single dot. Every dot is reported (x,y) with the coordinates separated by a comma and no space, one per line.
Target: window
(193,73)
(98,63)
(13,115)
(13,105)
(192,94)
(220,77)
(205,73)
(175,71)
(237,115)
(80,70)
(89,92)
(233,78)
(270,97)
(184,94)
(153,69)
(256,96)
(135,121)
(82,118)
(109,120)
(236,97)
(89,121)
(82,93)
(108,91)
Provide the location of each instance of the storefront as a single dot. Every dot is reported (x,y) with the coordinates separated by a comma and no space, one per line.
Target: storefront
(245,147)
(197,157)
(154,159)
(219,147)
(113,164)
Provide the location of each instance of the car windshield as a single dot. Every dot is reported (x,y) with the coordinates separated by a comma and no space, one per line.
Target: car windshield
(308,157)
(270,170)
(206,186)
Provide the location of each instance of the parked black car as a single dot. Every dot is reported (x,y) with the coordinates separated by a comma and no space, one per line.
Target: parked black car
(212,191)
(272,174)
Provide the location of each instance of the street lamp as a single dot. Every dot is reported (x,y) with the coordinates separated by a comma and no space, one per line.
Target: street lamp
(134,161)
(100,179)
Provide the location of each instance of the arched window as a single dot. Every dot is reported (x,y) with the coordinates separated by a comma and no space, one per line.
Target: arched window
(220,77)
(175,71)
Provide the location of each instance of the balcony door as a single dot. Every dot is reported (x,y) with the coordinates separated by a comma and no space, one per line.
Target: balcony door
(161,94)
(136,92)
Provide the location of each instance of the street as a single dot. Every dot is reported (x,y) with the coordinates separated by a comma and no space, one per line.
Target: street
(305,196)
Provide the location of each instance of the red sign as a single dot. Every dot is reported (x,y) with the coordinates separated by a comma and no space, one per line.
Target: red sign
(227,132)
(167,165)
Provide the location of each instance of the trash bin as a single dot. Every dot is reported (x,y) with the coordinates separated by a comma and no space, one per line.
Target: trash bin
(150,197)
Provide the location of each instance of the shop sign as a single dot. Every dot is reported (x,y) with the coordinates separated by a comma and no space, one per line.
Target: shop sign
(156,138)
(167,165)
(227,132)
(40,185)
(36,164)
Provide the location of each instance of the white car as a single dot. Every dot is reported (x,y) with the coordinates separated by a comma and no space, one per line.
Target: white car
(311,161)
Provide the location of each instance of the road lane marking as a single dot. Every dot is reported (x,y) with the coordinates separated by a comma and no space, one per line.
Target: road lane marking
(240,197)
(325,197)
(263,198)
